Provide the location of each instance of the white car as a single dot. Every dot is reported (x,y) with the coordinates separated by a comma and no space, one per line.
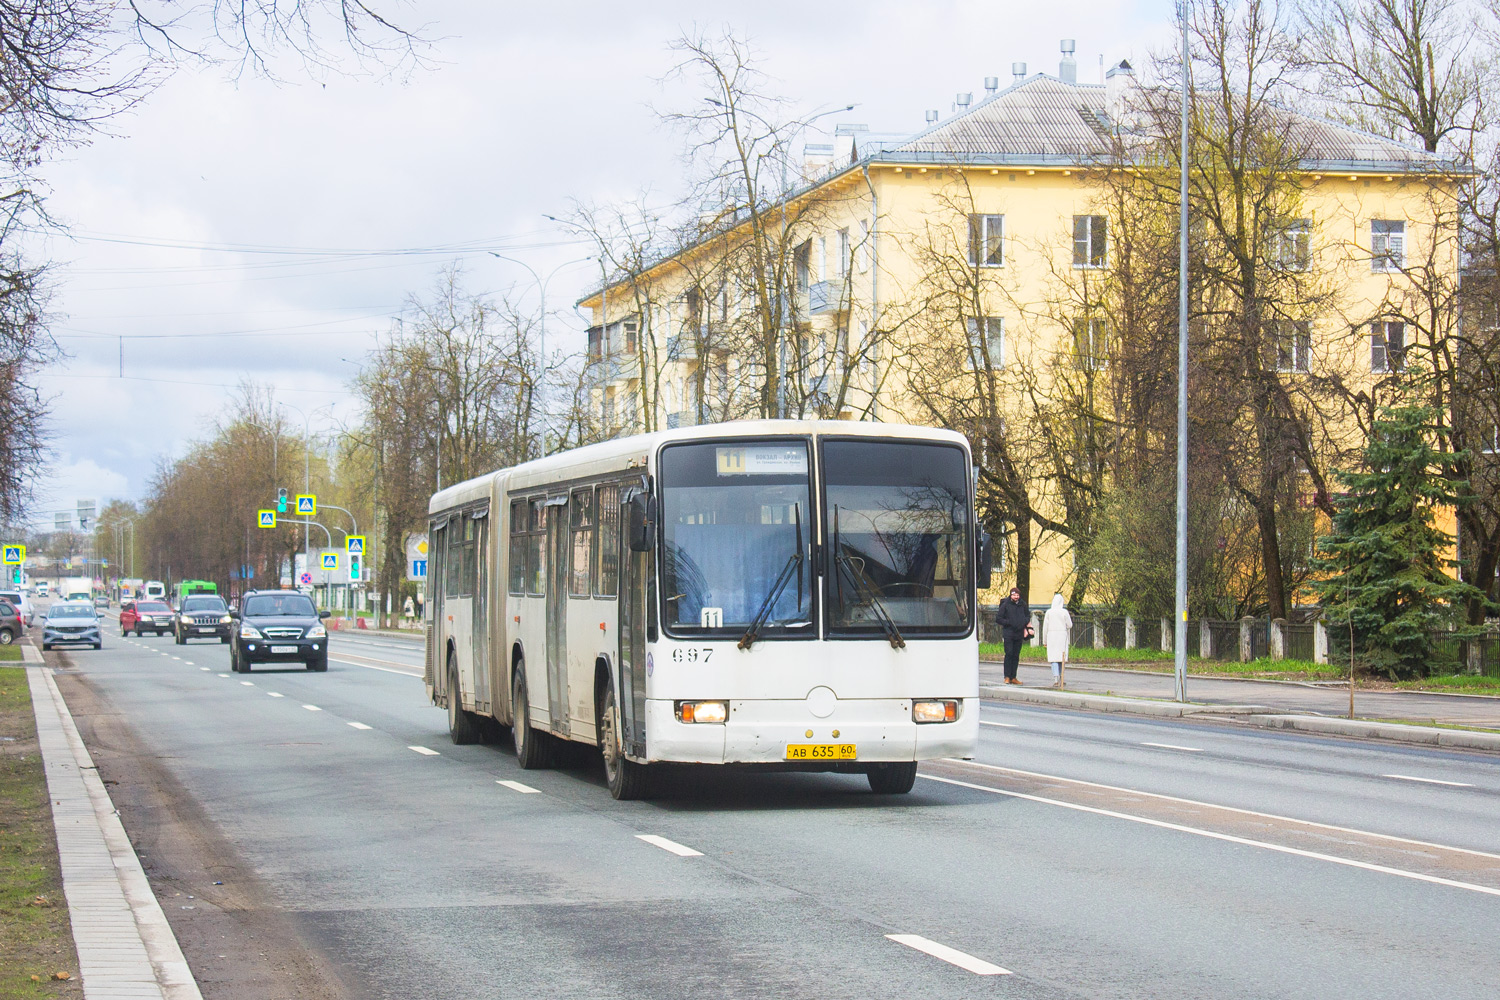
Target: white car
(28,613)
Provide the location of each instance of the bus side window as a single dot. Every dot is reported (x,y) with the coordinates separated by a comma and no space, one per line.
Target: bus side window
(536,560)
(607,580)
(519,547)
(453,559)
(582,510)
(471,556)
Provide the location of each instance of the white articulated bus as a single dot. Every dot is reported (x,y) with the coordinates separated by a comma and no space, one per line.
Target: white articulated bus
(790,594)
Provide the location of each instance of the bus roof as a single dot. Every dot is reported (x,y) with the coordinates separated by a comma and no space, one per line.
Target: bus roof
(620,451)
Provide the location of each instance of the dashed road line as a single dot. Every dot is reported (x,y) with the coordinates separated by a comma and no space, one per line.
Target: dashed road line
(1004,725)
(275,694)
(312,708)
(223,675)
(248,684)
(1173,746)
(359,725)
(210,669)
(190,663)
(516,786)
(1428,781)
(424,751)
(176,657)
(669,845)
(952,956)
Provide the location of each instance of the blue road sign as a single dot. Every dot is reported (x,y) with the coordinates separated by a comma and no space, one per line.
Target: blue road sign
(330,560)
(267,518)
(15,555)
(419,569)
(354,543)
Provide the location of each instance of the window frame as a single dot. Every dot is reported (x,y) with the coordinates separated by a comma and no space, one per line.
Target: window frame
(607,523)
(518,572)
(1094,242)
(582,518)
(1087,327)
(1296,334)
(1294,245)
(1380,340)
(986,234)
(983,352)
(1390,256)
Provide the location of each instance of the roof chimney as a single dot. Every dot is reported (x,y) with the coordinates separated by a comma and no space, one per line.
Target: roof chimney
(1117,82)
(962,100)
(991,84)
(1067,70)
(932,115)
(1018,70)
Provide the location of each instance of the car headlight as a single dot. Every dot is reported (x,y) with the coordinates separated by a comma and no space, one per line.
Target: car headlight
(702,711)
(934,711)
(225,620)
(249,632)
(317,632)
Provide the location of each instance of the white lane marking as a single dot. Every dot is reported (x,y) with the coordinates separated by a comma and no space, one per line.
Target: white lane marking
(1429,781)
(204,668)
(1173,746)
(176,657)
(1225,837)
(312,708)
(1243,812)
(275,694)
(425,752)
(248,684)
(516,786)
(952,956)
(987,722)
(669,845)
(386,670)
(190,663)
(359,725)
(223,675)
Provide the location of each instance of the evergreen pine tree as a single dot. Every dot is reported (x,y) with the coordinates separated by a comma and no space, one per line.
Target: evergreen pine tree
(1383,567)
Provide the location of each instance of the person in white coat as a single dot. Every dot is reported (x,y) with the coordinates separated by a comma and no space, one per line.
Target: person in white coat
(1057,631)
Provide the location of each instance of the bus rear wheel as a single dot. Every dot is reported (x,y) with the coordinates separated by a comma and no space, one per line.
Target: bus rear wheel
(892,779)
(463,727)
(533,750)
(626,779)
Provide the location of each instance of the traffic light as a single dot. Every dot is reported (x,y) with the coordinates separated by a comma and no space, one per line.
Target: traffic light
(281,501)
(15,575)
(83,523)
(355,567)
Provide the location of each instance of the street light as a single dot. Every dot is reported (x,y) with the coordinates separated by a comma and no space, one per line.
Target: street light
(1179,647)
(541,391)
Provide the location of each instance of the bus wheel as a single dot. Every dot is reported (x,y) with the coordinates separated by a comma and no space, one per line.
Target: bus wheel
(463,727)
(626,778)
(892,779)
(531,746)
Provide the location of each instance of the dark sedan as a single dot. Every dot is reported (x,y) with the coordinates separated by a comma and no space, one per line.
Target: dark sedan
(278,626)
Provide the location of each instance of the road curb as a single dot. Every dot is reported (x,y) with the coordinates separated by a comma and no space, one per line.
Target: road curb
(126,948)
(1256,715)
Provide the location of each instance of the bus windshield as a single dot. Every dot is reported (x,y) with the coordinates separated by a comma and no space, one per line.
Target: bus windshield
(897,526)
(737,538)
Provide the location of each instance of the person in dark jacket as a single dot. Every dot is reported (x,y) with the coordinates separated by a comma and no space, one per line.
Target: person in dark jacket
(1015,628)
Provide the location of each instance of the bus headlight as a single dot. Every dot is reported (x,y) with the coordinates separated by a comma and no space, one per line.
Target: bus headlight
(934,711)
(702,711)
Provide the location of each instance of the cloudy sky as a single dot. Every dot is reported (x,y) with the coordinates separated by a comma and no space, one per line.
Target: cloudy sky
(237,229)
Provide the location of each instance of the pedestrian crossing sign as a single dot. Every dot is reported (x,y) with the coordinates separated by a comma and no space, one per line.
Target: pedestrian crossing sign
(15,555)
(330,560)
(355,543)
(307,504)
(266,518)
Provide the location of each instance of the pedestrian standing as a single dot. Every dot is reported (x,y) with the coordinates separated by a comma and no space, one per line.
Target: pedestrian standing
(1057,628)
(408,611)
(1015,627)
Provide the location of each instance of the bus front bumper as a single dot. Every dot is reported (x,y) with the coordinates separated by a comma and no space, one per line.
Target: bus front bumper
(759,732)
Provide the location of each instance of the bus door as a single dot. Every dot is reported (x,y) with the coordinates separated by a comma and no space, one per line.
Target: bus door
(479,613)
(635,580)
(437,632)
(559,569)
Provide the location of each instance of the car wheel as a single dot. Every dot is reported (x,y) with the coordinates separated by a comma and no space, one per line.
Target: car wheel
(319,665)
(98,645)
(533,749)
(892,779)
(46,647)
(7,637)
(626,779)
(223,640)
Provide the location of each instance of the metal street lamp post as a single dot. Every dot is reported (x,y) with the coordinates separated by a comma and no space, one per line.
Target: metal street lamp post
(1179,647)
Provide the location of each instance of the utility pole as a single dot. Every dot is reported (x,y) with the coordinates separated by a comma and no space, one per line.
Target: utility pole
(1179,647)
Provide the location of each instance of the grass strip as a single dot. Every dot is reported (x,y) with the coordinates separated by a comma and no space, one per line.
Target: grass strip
(11,654)
(35,937)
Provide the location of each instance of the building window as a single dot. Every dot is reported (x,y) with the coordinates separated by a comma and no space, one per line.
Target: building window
(1091,342)
(867,246)
(822,258)
(1387,244)
(987,240)
(841,266)
(1090,240)
(1294,246)
(1293,346)
(802,266)
(1387,346)
(1490,443)
(987,351)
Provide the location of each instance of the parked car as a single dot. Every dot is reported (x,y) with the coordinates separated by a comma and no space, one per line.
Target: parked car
(16,597)
(11,625)
(202,616)
(278,626)
(141,617)
(69,623)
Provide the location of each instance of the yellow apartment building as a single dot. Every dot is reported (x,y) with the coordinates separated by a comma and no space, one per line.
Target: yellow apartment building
(976,253)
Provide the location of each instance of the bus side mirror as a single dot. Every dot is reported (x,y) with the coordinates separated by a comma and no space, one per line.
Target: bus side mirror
(985,570)
(640,522)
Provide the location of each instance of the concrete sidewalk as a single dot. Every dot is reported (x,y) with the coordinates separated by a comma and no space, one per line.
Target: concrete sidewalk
(1268,704)
(126,949)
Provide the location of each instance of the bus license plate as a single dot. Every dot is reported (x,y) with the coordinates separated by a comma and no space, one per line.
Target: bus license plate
(283,649)
(820,751)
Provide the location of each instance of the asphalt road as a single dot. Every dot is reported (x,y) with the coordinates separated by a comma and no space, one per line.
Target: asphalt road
(1085,855)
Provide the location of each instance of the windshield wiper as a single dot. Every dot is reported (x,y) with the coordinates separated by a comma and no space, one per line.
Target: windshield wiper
(794,562)
(862,588)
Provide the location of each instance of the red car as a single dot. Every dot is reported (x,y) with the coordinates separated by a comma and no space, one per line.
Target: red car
(141,617)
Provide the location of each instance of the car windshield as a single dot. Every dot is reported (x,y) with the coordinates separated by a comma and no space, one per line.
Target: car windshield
(70,611)
(736,537)
(899,538)
(203,604)
(266,605)
(152,607)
